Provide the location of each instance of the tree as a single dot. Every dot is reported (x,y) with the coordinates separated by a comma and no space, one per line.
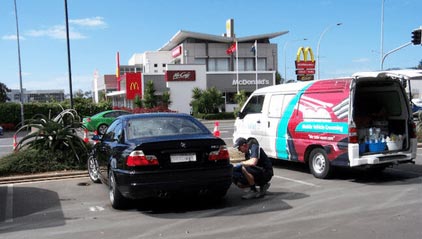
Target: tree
(208,101)
(240,99)
(3,93)
(150,99)
(138,101)
(166,99)
(278,78)
(420,65)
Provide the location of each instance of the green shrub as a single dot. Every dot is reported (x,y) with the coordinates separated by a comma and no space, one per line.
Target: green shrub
(29,161)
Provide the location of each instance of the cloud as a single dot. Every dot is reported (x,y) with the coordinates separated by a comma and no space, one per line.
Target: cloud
(12,37)
(94,22)
(56,32)
(79,82)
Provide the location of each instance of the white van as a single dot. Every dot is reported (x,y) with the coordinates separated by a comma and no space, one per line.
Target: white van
(365,120)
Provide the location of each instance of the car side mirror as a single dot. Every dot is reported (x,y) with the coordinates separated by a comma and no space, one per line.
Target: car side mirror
(96,137)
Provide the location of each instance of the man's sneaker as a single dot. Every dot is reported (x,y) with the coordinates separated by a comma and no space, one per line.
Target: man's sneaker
(263,189)
(250,194)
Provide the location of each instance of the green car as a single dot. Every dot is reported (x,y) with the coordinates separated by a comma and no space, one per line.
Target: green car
(102,120)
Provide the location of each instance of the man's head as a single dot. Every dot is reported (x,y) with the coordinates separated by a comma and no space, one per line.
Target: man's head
(241,144)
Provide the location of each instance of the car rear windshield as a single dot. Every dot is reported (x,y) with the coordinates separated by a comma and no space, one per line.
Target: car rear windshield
(161,126)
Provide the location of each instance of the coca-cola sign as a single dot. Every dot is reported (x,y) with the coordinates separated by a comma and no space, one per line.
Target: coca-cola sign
(180,76)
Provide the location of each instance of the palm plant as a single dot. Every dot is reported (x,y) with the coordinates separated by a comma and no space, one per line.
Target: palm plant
(57,134)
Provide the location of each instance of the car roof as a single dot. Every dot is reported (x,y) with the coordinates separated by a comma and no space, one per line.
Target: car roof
(158,114)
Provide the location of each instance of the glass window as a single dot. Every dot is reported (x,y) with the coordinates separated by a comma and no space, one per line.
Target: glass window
(218,64)
(162,126)
(110,134)
(254,105)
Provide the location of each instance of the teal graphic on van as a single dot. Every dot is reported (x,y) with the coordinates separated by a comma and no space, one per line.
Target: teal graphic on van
(323,127)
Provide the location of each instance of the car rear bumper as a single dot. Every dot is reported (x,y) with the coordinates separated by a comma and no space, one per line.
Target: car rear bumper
(138,185)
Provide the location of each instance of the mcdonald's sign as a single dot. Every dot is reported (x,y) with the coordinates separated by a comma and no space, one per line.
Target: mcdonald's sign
(133,85)
(305,68)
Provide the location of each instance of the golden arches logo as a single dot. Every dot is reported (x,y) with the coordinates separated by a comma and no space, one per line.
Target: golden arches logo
(134,86)
(305,51)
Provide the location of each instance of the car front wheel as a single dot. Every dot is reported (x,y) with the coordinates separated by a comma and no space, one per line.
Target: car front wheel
(102,129)
(93,169)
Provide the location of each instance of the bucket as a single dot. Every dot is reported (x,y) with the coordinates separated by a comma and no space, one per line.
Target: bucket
(395,145)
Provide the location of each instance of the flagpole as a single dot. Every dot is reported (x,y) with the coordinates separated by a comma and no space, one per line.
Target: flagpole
(237,66)
(256,63)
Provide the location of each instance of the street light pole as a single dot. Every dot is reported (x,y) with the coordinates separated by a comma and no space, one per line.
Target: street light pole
(68,54)
(382,35)
(284,53)
(319,42)
(20,65)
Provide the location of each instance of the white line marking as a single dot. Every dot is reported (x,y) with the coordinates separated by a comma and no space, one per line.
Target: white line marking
(9,204)
(297,181)
(96,208)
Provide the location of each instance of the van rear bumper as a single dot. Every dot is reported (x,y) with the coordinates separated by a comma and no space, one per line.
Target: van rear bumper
(386,157)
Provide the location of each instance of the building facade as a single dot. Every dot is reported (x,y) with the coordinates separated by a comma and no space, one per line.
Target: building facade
(42,96)
(229,63)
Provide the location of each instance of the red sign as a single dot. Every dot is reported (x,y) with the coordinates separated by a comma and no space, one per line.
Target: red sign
(180,76)
(305,72)
(133,85)
(305,64)
(176,51)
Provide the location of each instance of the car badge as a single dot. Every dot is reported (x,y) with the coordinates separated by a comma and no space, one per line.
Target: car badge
(183,145)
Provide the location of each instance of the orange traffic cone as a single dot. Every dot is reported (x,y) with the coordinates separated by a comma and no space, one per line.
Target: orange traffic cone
(216,131)
(86,140)
(15,143)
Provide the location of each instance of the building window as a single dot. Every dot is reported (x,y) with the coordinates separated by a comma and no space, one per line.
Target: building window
(155,65)
(218,64)
(164,65)
(200,61)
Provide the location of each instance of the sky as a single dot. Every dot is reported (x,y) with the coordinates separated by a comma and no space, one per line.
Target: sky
(100,28)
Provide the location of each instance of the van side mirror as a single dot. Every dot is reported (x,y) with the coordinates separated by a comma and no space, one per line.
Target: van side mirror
(241,115)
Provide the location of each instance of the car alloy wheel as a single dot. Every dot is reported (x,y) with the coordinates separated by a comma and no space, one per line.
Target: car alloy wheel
(93,169)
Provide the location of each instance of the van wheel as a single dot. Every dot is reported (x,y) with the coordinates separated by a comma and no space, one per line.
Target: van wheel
(319,163)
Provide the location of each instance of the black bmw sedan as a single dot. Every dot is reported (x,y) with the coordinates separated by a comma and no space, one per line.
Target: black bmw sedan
(158,155)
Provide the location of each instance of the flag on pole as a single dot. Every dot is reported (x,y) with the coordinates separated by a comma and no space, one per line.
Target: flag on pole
(254,47)
(231,49)
(118,70)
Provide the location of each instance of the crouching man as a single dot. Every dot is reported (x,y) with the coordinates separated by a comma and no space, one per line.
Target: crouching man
(255,170)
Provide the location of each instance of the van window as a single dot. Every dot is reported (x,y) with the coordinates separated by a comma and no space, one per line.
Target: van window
(254,105)
(375,103)
(278,104)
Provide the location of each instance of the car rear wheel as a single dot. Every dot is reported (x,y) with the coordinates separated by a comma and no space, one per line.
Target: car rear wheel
(93,169)
(319,164)
(102,129)
(116,198)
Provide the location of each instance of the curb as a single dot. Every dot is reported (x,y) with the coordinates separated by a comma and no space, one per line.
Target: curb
(42,177)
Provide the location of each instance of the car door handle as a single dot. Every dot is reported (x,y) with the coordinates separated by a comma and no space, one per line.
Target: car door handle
(268,124)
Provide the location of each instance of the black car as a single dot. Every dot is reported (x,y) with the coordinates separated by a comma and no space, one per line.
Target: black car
(159,155)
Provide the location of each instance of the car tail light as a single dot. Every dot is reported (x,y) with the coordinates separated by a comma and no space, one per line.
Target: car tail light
(353,134)
(138,158)
(221,154)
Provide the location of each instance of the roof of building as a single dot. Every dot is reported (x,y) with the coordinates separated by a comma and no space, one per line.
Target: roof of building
(182,35)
